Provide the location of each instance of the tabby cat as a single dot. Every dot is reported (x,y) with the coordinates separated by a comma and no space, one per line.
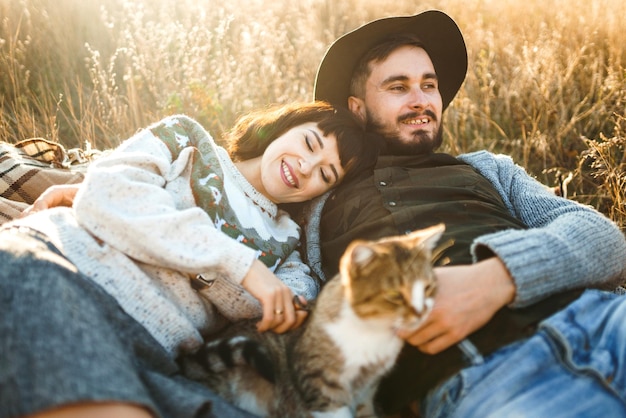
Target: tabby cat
(331,365)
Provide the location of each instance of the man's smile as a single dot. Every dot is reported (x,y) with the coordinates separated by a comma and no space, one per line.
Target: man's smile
(416,121)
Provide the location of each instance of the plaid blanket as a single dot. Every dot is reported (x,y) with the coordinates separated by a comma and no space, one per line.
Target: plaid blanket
(29,167)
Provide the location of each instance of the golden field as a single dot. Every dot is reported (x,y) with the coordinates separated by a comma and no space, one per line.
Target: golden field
(546,81)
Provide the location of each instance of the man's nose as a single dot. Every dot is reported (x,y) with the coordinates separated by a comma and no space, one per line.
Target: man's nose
(418,99)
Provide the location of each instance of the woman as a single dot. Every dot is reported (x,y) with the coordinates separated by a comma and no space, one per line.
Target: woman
(167,237)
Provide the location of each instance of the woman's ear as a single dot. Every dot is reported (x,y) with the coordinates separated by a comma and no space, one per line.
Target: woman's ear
(357,106)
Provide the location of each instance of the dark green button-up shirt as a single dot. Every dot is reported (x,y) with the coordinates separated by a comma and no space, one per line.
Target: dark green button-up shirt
(407,193)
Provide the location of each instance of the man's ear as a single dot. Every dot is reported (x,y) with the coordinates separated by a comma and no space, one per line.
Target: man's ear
(357,106)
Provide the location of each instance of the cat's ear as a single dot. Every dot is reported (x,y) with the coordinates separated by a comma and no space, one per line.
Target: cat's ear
(361,254)
(356,257)
(427,237)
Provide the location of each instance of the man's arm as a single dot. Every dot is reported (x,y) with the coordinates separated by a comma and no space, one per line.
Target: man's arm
(566,246)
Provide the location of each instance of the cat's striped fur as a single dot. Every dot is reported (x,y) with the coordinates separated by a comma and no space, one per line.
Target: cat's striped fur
(331,365)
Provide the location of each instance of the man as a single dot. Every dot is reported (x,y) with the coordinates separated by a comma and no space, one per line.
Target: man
(519,252)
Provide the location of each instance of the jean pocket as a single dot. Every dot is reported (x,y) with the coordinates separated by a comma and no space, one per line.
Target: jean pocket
(442,399)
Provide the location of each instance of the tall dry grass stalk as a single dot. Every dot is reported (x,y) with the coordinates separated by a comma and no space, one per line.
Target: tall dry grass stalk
(546,83)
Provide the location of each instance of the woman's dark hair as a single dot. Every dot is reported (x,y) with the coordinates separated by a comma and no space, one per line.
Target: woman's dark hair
(253,132)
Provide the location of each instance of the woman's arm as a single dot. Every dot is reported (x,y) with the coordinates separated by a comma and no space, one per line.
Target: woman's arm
(137,200)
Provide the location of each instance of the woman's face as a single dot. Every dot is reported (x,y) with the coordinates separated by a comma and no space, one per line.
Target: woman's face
(300,164)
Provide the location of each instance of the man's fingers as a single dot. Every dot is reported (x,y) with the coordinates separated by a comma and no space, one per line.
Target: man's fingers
(427,332)
(436,345)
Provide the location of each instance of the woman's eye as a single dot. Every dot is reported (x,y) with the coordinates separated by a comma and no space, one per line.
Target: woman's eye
(308,143)
(325,177)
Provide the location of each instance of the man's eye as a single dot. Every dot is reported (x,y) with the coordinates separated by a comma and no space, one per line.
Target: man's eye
(397,88)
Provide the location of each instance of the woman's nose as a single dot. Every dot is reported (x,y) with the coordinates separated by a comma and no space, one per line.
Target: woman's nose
(306,167)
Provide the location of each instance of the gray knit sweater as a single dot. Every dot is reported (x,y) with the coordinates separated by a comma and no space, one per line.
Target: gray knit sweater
(567,245)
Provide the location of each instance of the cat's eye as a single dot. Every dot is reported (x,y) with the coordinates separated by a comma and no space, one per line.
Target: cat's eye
(395,297)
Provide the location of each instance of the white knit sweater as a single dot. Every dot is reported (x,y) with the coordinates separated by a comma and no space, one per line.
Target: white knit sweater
(164,206)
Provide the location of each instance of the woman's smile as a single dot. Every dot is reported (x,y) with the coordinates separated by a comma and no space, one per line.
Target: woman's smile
(288,175)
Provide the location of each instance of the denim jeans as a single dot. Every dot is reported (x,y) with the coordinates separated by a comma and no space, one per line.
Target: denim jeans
(574,366)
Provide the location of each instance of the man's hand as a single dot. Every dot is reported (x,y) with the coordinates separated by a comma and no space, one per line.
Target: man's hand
(53,196)
(467,298)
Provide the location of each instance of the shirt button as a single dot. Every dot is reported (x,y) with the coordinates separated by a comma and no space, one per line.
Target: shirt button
(392,204)
(383,183)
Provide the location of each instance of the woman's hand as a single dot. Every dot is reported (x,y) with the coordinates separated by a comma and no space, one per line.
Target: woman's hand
(280,314)
(53,196)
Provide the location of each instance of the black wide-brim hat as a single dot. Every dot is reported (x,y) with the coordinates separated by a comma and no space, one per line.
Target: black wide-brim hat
(440,35)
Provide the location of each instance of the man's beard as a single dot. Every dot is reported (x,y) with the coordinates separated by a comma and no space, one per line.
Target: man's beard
(422,143)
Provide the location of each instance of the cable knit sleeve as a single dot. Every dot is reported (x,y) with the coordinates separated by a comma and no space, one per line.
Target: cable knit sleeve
(311,220)
(567,245)
(235,303)
(297,275)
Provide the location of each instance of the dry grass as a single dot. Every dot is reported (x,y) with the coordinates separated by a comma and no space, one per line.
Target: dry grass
(546,84)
